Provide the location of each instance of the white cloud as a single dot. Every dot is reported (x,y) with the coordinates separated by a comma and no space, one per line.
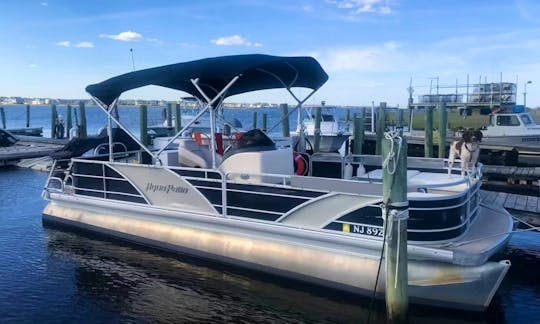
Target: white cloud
(63,43)
(33,65)
(358,7)
(127,36)
(84,45)
(234,40)
(229,40)
(307,8)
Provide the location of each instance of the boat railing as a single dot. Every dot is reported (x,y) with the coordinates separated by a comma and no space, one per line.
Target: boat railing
(105,146)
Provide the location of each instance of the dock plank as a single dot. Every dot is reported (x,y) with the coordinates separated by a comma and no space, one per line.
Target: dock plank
(510,201)
(532,203)
(521,202)
(489,197)
(501,198)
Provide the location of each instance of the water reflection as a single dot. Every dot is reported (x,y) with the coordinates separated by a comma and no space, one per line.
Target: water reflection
(147,285)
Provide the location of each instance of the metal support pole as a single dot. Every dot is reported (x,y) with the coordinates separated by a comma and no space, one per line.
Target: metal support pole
(428,139)
(443,124)
(395,215)
(317,130)
(381,118)
(264,122)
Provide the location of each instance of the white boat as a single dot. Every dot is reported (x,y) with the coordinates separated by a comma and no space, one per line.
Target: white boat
(247,207)
(333,133)
(515,127)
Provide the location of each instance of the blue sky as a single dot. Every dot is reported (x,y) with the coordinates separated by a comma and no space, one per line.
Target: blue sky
(369,48)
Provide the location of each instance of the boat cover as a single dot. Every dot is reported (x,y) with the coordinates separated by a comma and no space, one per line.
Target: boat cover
(259,72)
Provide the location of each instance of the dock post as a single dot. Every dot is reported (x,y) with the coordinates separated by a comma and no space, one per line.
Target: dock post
(399,122)
(169,115)
(3,116)
(254,125)
(143,118)
(347,120)
(443,123)
(358,132)
(144,124)
(54,118)
(264,122)
(285,130)
(428,131)
(317,130)
(381,118)
(82,120)
(27,116)
(177,118)
(395,215)
(69,122)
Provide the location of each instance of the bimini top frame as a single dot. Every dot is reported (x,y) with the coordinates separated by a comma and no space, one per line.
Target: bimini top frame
(211,80)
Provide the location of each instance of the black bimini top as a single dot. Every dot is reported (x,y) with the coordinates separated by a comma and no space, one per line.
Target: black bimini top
(258,72)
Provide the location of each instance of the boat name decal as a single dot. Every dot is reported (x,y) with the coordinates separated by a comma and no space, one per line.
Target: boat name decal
(150,186)
(530,139)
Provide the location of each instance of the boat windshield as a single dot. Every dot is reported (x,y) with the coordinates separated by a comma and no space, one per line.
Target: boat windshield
(526,119)
(507,120)
(327,118)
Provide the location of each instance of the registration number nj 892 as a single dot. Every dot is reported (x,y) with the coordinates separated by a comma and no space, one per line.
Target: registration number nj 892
(367,230)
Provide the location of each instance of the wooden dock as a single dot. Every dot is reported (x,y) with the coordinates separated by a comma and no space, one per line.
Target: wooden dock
(512,174)
(527,206)
(28,147)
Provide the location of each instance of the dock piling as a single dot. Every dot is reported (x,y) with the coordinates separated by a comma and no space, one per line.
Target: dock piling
(399,121)
(347,120)
(69,122)
(381,118)
(27,116)
(443,124)
(395,215)
(428,143)
(264,122)
(3,117)
(169,115)
(54,119)
(358,132)
(144,124)
(254,125)
(285,130)
(317,130)
(82,120)
(178,118)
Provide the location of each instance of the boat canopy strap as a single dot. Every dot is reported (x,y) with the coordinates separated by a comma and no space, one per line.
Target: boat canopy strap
(259,72)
